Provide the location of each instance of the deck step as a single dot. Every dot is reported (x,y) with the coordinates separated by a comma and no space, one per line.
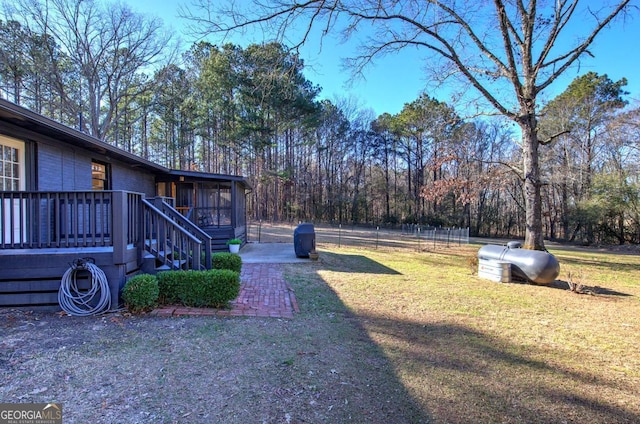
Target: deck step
(177,263)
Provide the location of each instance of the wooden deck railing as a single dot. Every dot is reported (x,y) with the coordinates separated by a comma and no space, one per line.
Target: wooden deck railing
(38,220)
(117,219)
(169,242)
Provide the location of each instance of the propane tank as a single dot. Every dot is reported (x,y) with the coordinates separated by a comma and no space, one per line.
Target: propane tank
(532,265)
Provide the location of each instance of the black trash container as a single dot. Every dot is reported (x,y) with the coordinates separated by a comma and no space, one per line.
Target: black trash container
(304,240)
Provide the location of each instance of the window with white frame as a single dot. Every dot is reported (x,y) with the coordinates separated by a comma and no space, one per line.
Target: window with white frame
(11,164)
(13,228)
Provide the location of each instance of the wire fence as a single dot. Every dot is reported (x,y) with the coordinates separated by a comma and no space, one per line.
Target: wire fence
(374,237)
(438,234)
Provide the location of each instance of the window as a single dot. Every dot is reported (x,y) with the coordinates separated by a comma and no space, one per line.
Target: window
(11,165)
(13,228)
(100,176)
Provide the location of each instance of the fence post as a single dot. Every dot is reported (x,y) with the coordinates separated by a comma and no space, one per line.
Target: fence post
(377,236)
(339,234)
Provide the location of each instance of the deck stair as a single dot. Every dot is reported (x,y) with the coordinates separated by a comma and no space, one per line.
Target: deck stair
(155,260)
(172,240)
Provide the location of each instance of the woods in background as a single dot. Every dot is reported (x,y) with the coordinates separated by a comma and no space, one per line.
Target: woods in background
(251,111)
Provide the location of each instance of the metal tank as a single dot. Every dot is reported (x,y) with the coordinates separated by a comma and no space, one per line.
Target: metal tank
(532,265)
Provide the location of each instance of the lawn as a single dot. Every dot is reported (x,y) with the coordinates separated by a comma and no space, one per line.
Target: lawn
(471,350)
(383,336)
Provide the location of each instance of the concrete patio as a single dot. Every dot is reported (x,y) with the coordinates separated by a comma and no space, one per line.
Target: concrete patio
(270,253)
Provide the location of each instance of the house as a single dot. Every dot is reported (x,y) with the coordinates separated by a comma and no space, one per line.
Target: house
(65,195)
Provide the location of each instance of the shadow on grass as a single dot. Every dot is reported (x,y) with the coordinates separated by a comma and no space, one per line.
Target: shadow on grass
(564,285)
(367,377)
(342,262)
(460,375)
(584,289)
(443,372)
(604,265)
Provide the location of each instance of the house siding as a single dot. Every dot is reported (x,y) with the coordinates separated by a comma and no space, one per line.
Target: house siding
(128,179)
(62,169)
(68,169)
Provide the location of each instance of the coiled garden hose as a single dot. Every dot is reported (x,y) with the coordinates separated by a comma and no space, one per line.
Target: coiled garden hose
(84,302)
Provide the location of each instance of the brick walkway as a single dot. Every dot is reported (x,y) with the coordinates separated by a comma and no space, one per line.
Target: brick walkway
(263,293)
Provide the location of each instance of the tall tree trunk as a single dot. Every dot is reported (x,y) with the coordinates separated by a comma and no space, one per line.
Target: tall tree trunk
(565,211)
(387,186)
(534,237)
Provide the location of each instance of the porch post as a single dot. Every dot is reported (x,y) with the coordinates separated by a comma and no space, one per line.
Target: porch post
(119,230)
(141,229)
(234,204)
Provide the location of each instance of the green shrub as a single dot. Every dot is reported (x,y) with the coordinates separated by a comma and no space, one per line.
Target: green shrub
(140,293)
(213,288)
(225,260)
(169,283)
(224,286)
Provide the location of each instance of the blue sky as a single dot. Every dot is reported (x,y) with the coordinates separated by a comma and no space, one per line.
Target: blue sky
(398,79)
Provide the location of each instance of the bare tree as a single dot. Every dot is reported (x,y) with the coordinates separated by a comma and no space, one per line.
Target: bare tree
(509,51)
(108,44)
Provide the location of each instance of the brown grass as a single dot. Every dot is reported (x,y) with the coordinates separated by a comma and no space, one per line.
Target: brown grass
(470,350)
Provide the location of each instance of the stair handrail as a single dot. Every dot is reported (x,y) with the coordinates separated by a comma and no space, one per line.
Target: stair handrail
(185,223)
(194,256)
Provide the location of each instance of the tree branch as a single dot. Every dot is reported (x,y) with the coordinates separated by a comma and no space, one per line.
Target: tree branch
(573,55)
(518,171)
(553,137)
(508,47)
(448,51)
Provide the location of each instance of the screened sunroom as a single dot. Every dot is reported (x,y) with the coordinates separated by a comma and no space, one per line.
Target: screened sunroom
(216,203)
